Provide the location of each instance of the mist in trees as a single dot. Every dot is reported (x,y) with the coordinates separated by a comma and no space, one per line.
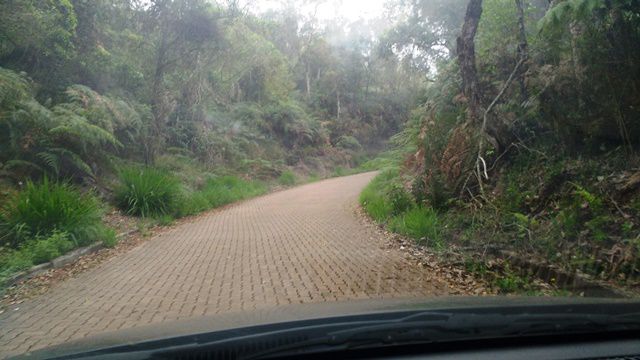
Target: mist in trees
(87,81)
(83,82)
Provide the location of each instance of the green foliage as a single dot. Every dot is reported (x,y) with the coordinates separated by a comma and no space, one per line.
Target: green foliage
(373,199)
(110,238)
(46,249)
(191,203)
(14,88)
(421,224)
(145,191)
(438,196)
(218,191)
(165,220)
(44,28)
(497,29)
(567,10)
(64,140)
(287,178)
(375,205)
(510,282)
(42,209)
(349,143)
(13,261)
(399,199)
(584,210)
(339,171)
(291,123)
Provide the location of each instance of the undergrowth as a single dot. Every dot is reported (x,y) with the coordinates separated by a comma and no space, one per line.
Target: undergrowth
(145,191)
(386,201)
(46,220)
(555,208)
(44,208)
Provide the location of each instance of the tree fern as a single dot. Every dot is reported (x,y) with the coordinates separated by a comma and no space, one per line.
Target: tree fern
(61,141)
(13,88)
(568,10)
(76,128)
(110,114)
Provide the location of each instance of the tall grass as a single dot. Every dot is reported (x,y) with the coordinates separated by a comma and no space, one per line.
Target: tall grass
(386,201)
(149,192)
(227,189)
(41,209)
(419,223)
(46,220)
(373,198)
(145,191)
(218,191)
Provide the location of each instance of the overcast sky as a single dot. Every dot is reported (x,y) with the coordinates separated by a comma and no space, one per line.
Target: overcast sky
(326,10)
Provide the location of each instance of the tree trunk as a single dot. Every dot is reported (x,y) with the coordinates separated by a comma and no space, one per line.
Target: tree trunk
(308,82)
(497,132)
(576,30)
(523,50)
(467,60)
(157,100)
(338,105)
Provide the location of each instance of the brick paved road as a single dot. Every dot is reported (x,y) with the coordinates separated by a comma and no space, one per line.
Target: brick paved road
(300,245)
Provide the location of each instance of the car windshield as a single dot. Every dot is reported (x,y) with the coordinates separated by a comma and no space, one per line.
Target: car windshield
(176,160)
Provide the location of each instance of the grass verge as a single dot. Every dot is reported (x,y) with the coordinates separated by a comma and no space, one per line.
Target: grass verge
(46,220)
(386,201)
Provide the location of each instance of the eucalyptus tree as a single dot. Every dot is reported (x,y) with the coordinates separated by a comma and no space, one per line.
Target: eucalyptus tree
(180,31)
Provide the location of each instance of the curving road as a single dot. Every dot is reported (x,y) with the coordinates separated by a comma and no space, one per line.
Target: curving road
(301,245)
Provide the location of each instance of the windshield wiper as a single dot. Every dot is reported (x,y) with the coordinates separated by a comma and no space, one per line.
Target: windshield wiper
(373,331)
(430,327)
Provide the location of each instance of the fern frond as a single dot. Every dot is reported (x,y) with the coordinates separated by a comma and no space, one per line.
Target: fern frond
(51,160)
(78,128)
(569,10)
(14,88)
(13,164)
(76,160)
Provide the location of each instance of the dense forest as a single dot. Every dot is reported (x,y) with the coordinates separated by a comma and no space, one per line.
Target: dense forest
(497,125)
(84,82)
(525,142)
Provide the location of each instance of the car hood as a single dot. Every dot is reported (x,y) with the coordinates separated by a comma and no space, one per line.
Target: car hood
(298,312)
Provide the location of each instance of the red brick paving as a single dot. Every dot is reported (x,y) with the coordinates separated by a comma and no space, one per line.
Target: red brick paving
(300,245)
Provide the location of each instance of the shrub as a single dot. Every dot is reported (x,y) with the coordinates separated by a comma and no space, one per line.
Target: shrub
(147,192)
(421,224)
(399,199)
(43,208)
(287,178)
(349,143)
(438,195)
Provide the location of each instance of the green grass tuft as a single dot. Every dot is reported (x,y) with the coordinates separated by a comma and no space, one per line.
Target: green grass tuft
(42,209)
(147,192)
(421,224)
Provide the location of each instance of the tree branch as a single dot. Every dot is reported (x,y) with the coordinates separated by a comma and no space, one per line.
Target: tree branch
(479,160)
